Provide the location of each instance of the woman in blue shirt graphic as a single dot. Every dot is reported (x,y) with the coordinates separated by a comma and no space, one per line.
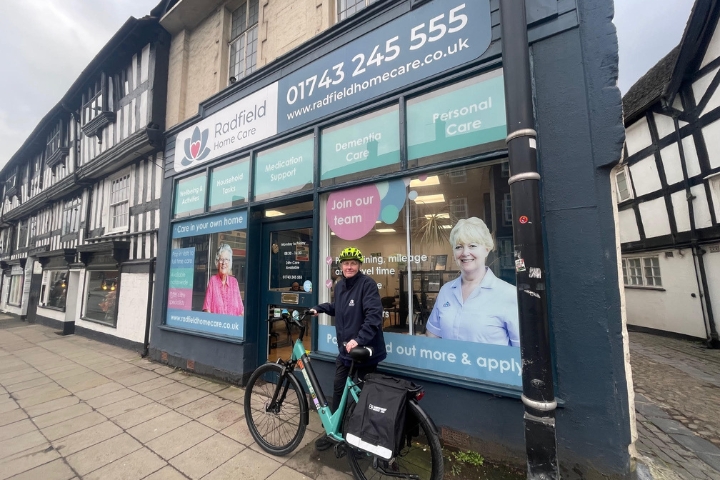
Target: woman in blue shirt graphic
(477,306)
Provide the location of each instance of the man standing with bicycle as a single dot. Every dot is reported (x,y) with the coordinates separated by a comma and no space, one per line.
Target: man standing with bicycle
(358,316)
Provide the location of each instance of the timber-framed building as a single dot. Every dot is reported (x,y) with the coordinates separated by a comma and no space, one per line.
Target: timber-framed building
(80,198)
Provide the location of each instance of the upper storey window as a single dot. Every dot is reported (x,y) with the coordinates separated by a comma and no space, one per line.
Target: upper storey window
(347,8)
(243,40)
(98,106)
(56,148)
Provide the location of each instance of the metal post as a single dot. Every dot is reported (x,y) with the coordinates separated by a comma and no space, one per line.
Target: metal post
(537,375)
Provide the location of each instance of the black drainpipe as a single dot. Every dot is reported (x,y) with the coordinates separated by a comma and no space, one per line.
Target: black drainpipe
(148,314)
(713,341)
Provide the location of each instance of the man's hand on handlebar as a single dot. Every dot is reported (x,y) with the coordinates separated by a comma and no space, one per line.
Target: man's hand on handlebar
(350,345)
(313,312)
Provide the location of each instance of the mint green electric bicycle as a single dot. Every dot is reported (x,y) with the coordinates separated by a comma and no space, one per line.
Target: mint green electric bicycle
(276,411)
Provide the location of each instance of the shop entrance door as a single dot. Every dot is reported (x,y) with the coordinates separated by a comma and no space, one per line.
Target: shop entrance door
(286,283)
(35,287)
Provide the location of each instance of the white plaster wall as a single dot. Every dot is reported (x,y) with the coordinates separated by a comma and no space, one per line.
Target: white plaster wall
(700,86)
(677,103)
(655,218)
(682,215)
(12,309)
(701,209)
(132,309)
(628,226)
(672,309)
(712,271)
(711,133)
(623,317)
(50,313)
(714,101)
(637,136)
(665,125)
(5,291)
(645,176)
(671,163)
(691,157)
(715,193)
(713,50)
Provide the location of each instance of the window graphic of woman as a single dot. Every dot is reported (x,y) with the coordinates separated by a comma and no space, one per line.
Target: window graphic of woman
(223,292)
(477,306)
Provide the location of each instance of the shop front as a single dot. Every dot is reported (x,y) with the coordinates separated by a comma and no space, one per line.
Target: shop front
(391,139)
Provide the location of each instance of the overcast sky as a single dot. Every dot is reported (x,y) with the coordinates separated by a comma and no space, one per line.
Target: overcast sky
(45,44)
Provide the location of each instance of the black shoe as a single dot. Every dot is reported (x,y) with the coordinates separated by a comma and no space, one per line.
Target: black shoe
(323,443)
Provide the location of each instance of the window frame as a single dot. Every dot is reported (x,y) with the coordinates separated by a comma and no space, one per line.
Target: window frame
(110,205)
(242,38)
(72,205)
(634,271)
(21,278)
(625,174)
(341,14)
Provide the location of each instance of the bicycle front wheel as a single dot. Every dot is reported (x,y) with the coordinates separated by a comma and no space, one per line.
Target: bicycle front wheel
(422,458)
(278,427)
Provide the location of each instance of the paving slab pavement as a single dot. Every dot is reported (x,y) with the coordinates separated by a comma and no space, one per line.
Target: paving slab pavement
(677,407)
(71,407)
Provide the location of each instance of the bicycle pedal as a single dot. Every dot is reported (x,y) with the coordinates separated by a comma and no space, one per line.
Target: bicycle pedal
(340,450)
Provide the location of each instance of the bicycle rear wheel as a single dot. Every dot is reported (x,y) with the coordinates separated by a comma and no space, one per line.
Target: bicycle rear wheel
(422,458)
(278,428)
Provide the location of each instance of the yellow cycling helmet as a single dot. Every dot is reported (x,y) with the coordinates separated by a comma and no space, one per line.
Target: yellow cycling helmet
(351,253)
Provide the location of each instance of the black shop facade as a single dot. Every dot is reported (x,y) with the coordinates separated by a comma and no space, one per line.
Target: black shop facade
(384,138)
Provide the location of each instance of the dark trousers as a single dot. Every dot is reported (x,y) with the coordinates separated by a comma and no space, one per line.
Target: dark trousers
(341,374)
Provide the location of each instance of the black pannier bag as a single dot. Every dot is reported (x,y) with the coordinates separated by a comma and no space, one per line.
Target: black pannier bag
(377,423)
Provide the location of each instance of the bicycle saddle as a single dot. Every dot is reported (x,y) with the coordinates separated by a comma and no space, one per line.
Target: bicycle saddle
(360,354)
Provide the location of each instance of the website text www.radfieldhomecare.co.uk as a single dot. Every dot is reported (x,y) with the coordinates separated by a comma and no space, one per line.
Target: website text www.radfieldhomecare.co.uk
(416,64)
(204,322)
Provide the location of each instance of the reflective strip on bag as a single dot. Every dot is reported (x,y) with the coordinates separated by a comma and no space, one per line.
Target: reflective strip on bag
(378,450)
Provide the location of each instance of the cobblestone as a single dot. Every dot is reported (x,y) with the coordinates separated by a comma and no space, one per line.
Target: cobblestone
(677,403)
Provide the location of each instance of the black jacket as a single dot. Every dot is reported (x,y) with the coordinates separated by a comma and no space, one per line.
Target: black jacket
(358,316)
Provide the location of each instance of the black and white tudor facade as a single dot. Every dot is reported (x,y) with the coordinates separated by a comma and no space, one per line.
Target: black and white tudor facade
(80,198)
(668,186)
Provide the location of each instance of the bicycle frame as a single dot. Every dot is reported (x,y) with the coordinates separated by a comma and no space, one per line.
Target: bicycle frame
(331,421)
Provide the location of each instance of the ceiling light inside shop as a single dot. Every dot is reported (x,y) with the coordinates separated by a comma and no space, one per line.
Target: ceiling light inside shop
(436,198)
(273,213)
(447,227)
(431,180)
(385,230)
(438,215)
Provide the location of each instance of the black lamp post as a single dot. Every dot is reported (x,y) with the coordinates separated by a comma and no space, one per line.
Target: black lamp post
(537,375)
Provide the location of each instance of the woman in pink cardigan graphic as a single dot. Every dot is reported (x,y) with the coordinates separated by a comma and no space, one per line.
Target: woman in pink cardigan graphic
(223,293)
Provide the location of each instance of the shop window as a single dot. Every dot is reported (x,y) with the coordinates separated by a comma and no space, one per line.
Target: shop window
(16,287)
(207,275)
(347,8)
(190,196)
(284,169)
(243,40)
(102,289)
(228,187)
(365,146)
(463,119)
(53,292)
(119,203)
(623,186)
(420,287)
(71,216)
